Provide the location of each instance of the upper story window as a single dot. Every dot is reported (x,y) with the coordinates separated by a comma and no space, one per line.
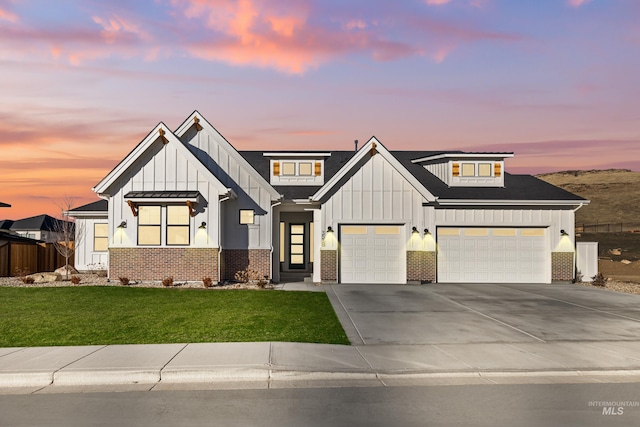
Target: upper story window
(476,169)
(291,171)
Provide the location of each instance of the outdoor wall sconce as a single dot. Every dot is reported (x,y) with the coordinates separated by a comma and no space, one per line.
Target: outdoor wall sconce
(329,229)
(426,231)
(414,230)
(203,225)
(123,224)
(563,233)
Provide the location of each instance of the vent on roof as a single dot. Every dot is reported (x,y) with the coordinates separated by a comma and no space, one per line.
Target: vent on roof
(356,144)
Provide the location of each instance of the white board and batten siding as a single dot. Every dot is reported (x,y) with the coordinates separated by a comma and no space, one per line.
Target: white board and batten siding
(86,258)
(233,172)
(163,168)
(499,245)
(376,198)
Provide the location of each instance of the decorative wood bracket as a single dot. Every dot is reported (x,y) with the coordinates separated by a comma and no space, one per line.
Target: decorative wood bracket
(373,149)
(162,137)
(134,207)
(192,209)
(196,122)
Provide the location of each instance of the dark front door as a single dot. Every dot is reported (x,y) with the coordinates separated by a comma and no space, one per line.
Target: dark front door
(297,240)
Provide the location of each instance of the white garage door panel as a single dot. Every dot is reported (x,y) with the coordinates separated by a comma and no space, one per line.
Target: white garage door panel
(372,254)
(493,255)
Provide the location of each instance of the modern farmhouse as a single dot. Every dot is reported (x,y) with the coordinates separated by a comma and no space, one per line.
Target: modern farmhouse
(187,204)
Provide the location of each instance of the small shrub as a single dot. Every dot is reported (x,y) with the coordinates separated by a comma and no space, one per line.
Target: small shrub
(168,281)
(246,276)
(124,281)
(599,280)
(75,279)
(207,282)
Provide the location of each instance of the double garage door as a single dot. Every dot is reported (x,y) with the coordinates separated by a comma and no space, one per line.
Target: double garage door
(377,254)
(372,254)
(493,255)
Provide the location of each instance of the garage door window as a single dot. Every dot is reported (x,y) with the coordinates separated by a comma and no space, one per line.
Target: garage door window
(476,232)
(449,232)
(505,232)
(387,230)
(354,229)
(533,232)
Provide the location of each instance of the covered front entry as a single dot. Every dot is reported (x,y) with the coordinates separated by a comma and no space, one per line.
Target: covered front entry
(296,245)
(372,254)
(493,255)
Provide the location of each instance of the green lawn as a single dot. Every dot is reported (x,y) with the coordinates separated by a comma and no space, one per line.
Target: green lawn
(113,315)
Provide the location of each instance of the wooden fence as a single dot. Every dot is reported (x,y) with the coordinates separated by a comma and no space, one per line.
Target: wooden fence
(30,258)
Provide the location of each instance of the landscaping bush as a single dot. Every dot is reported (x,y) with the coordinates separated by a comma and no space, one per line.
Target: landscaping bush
(124,281)
(75,280)
(27,280)
(599,280)
(167,282)
(207,282)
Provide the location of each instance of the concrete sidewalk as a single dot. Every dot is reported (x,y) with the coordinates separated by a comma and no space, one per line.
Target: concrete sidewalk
(281,365)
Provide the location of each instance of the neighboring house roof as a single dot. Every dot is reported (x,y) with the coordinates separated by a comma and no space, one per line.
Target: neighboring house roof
(15,238)
(36,223)
(97,206)
(4,205)
(6,224)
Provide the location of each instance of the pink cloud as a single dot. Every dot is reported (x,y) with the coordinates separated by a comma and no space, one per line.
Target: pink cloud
(5,15)
(437,2)
(576,3)
(265,34)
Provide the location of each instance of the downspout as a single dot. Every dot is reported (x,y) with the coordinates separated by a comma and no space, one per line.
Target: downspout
(576,209)
(224,199)
(273,205)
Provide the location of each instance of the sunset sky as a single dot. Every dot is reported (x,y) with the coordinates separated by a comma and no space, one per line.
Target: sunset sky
(83,81)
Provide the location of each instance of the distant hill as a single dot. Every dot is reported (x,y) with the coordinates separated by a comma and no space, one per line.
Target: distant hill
(614,194)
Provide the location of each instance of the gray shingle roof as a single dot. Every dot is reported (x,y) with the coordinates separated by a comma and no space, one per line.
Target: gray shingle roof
(35,223)
(97,206)
(517,187)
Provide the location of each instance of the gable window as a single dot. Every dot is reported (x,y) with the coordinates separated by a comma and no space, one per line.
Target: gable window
(484,169)
(304,169)
(468,169)
(149,225)
(178,221)
(100,237)
(247,216)
(288,168)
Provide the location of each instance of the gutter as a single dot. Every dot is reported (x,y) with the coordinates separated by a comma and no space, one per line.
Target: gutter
(488,202)
(228,196)
(273,205)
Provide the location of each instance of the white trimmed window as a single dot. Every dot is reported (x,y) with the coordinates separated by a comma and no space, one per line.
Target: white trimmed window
(178,221)
(247,216)
(149,225)
(100,237)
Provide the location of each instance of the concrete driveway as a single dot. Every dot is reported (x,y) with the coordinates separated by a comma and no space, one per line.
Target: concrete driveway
(484,313)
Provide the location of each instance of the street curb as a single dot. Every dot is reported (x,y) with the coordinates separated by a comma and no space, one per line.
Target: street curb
(106,377)
(177,376)
(25,379)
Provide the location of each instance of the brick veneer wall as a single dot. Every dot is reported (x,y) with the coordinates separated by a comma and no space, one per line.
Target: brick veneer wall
(429,266)
(328,265)
(562,267)
(421,266)
(158,263)
(234,260)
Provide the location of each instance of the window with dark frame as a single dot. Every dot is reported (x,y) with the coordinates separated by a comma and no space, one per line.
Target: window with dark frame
(149,225)
(178,222)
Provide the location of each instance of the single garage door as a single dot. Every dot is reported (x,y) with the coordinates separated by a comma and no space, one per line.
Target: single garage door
(493,255)
(372,254)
